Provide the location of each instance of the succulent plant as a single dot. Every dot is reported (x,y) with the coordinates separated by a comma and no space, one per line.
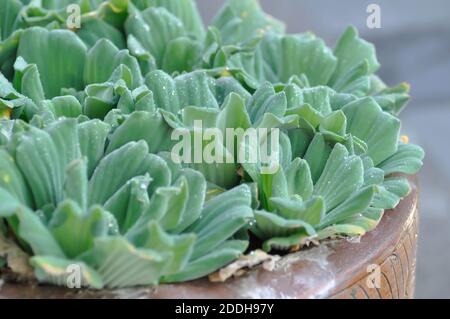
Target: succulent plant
(304,59)
(336,172)
(87,115)
(71,201)
(359,141)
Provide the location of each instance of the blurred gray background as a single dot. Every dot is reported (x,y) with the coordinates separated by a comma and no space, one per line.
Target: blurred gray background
(413,45)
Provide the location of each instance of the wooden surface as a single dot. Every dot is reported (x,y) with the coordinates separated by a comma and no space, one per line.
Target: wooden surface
(337,269)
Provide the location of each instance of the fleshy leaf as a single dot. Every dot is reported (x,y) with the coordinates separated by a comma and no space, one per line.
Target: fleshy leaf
(298,176)
(104,58)
(357,203)
(154,28)
(222,216)
(270,225)
(92,137)
(378,129)
(219,257)
(351,51)
(122,265)
(407,160)
(9,10)
(241,20)
(37,235)
(147,126)
(74,231)
(103,184)
(63,48)
(340,167)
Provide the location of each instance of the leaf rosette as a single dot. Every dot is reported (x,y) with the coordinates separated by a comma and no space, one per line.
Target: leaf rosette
(87,177)
(65,205)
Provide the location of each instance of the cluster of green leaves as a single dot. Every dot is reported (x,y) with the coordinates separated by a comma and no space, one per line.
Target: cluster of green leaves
(127,216)
(85,172)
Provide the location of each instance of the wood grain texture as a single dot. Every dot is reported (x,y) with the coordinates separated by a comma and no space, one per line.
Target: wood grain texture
(334,269)
(397,272)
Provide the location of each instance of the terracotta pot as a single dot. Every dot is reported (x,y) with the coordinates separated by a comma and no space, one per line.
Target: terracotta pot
(336,269)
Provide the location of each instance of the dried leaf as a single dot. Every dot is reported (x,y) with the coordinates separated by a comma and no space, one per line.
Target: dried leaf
(16,258)
(246,262)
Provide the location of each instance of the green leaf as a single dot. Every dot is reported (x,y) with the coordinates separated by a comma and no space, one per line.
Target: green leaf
(74,231)
(55,4)
(179,246)
(37,235)
(394,99)
(226,85)
(270,225)
(350,52)
(103,184)
(298,177)
(9,10)
(366,221)
(7,91)
(219,257)
(8,204)
(241,20)
(181,54)
(148,126)
(378,129)
(63,48)
(208,116)
(11,179)
(317,155)
(373,176)
(162,201)
(36,156)
(129,202)
(356,203)
(407,160)
(64,135)
(154,28)
(197,191)
(176,206)
(313,59)
(317,98)
(311,211)
(64,106)
(27,80)
(76,182)
(185,10)
(221,217)
(95,29)
(334,123)
(191,89)
(233,115)
(103,58)
(285,243)
(342,175)
(265,100)
(391,192)
(122,265)
(92,137)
